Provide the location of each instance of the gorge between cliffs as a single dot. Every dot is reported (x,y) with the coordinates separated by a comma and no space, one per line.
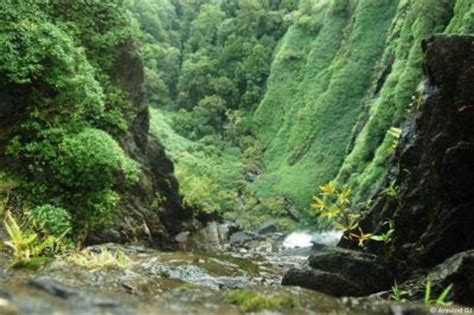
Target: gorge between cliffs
(237,156)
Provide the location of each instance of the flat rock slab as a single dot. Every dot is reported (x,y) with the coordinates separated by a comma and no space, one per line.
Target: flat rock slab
(342,272)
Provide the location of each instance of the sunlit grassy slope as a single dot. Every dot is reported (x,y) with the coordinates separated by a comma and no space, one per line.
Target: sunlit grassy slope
(314,100)
(339,81)
(207,174)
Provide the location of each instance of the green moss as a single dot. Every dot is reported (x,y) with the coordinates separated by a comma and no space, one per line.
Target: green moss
(251,301)
(34,264)
(463,19)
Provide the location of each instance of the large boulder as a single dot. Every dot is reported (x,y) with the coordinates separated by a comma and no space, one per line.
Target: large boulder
(152,210)
(343,272)
(457,271)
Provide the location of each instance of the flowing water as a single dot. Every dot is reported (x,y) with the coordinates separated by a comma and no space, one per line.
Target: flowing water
(303,239)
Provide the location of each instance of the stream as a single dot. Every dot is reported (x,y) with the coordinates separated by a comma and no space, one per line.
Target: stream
(141,280)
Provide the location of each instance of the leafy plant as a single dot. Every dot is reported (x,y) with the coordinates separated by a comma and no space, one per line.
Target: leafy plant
(27,245)
(393,191)
(333,203)
(361,237)
(53,220)
(60,54)
(386,237)
(442,298)
(395,133)
(398,294)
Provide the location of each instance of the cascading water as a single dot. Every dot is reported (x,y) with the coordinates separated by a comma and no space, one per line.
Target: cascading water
(302,239)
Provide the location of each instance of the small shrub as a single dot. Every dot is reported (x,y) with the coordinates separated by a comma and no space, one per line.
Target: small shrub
(79,170)
(333,204)
(27,245)
(53,220)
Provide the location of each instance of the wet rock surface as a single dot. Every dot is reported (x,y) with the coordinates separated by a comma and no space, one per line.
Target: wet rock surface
(341,272)
(154,282)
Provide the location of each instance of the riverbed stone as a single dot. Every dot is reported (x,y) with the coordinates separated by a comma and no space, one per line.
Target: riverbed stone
(342,272)
(268,227)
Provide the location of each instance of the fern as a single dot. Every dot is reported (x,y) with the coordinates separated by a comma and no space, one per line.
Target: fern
(26,245)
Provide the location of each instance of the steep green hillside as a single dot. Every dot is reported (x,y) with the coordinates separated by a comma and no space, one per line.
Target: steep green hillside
(394,91)
(316,88)
(343,75)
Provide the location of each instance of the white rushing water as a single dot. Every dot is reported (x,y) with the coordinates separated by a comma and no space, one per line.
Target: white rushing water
(303,239)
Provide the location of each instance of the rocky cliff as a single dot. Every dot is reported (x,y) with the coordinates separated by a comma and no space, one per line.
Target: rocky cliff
(431,203)
(152,209)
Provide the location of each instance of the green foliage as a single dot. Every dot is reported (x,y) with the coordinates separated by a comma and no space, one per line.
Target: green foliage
(316,91)
(205,119)
(55,63)
(206,169)
(399,294)
(100,27)
(332,204)
(251,301)
(81,169)
(463,19)
(225,50)
(385,237)
(442,298)
(400,71)
(52,220)
(26,244)
(92,160)
(104,259)
(393,191)
(211,174)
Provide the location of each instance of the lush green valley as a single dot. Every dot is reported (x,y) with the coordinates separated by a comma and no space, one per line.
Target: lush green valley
(329,95)
(223,156)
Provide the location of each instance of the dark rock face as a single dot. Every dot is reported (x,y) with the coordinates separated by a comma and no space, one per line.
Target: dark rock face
(459,270)
(340,272)
(138,219)
(433,171)
(434,167)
